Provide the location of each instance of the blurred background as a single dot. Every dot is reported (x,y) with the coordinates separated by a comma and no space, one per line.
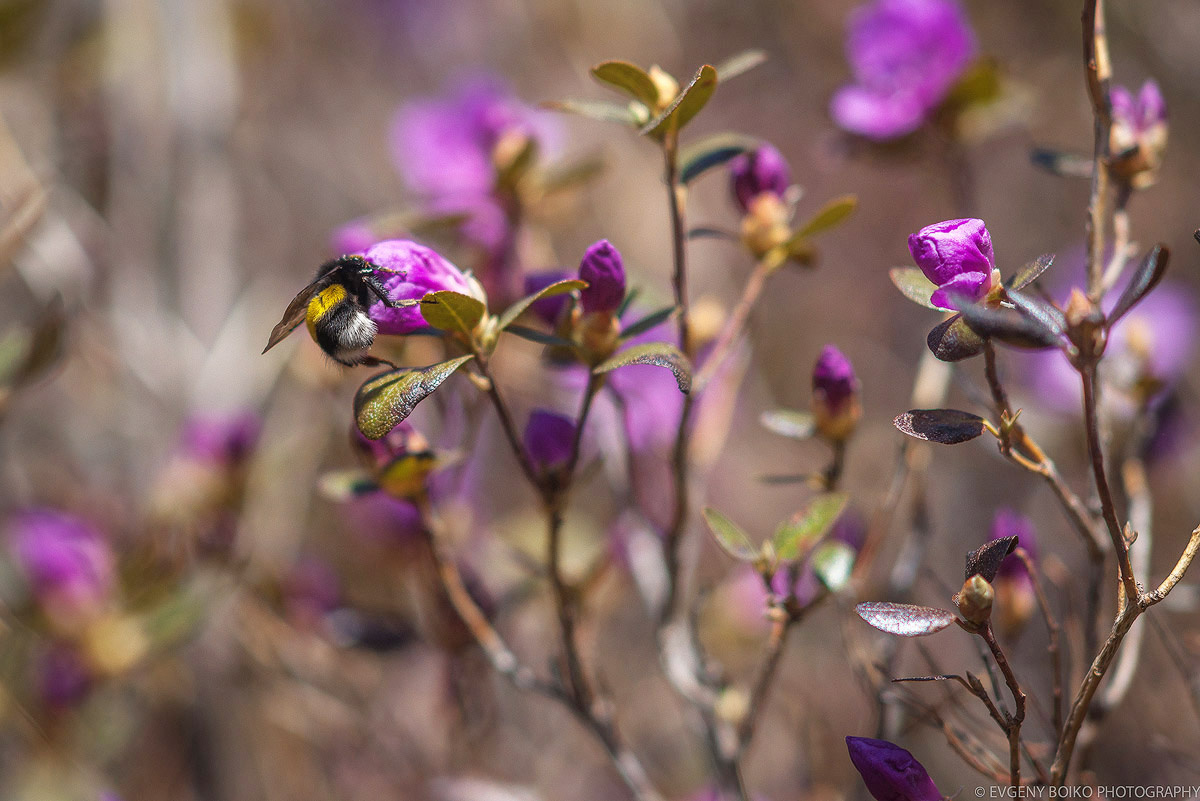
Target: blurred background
(171,174)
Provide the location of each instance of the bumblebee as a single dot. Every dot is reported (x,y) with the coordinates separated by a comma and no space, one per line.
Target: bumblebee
(334,307)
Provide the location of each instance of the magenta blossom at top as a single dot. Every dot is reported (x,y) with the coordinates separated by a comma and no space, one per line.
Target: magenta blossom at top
(67,561)
(906,55)
(760,171)
(604,271)
(956,255)
(890,772)
(408,271)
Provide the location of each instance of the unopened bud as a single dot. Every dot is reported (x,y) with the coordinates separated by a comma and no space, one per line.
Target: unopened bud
(974,600)
(835,401)
(667,86)
(765,225)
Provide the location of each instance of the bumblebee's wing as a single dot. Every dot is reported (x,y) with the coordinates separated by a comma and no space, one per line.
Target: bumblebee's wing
(294,315)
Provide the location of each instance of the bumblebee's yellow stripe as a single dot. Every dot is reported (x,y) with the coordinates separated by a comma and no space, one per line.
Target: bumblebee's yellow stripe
(321,303)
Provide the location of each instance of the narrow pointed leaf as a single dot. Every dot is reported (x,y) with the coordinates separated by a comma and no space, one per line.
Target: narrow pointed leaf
(712,151)
(540,337)
(1147,275)
(687,105)
(953,340)
(730,536)
(385,400)
(789,423)
(1037,309)
(904,620)
(628,78)
(830,215)
(944,426)
(833,562)
(1009,327)
(649,322)
(1031,271)
(794,538)
(740,64)
(659,354)
(518,308)
(702,232)
(913,284)
(1057,162)
(452,311)
(985,560)
(601,110)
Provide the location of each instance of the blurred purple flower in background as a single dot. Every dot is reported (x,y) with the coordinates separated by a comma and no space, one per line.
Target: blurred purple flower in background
(760,171)
(604,271)
(221,440)
(957,256)
(408,271)
(548,438)
(62,677)
(1015,601)
(548,310)
(1008,523)
(890,772)
(67,562)
(1140,121)
(906,55)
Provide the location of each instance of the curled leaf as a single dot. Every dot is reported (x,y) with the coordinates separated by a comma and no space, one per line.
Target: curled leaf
(687,105)
(385,400)
(904,620)
(944,426)
(712,151)
(985,560)
(659,354)
(953,340)
(1147,275)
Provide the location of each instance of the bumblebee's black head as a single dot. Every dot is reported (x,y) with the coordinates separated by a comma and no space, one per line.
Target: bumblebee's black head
(337,318)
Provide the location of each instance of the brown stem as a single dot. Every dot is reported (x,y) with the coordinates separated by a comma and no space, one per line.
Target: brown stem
(1053,633)
(1014,721)
(506,421)
(1099,74)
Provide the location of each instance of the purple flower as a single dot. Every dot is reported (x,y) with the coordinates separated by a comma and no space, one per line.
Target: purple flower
(408,271)
(548,310)
(957,256)
(548,439)
(221,440)
(906,55)
(1134,118)
(890,772)
(833,379)
(1008,523)
(761,170)
(604,272)
(66,560)
(63,679)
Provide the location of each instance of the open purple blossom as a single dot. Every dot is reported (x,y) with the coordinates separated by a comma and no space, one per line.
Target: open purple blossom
(906,55)
(66,560)
(408,271)
(890,772)
(604,271)
(957,256)
(760,171)
(548,439)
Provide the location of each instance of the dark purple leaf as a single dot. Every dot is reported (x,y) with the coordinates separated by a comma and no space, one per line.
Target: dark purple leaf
(1009,327)
(985,560)
(1031,272)
(944,426)
(1145,277)
(953,340)
(904,620)
(1037,309)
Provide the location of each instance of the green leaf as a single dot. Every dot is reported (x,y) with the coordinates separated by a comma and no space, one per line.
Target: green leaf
(732,539)
(913,284)
(741,63)
(648,322)
(687,105)
(833,562)
(452,311)
(518,308)
(793,538)
(385,400)
(1031,271)
(601,110)
(830,215)
(540,337)
(789,423)
(659,354)
(628,78)
(712,151)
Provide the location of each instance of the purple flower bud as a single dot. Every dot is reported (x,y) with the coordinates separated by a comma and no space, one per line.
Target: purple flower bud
(890,772)
(1151,107)
(761,170)
(63,679)
(833,379)
(548,310)
(221,440)
(352,237)
(408,271)
(906,55)
(1008,523)
(548,439)
(67,562)
(957,256)
(604,272)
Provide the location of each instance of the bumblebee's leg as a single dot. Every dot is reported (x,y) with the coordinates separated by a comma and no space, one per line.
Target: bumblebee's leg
(378,290)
